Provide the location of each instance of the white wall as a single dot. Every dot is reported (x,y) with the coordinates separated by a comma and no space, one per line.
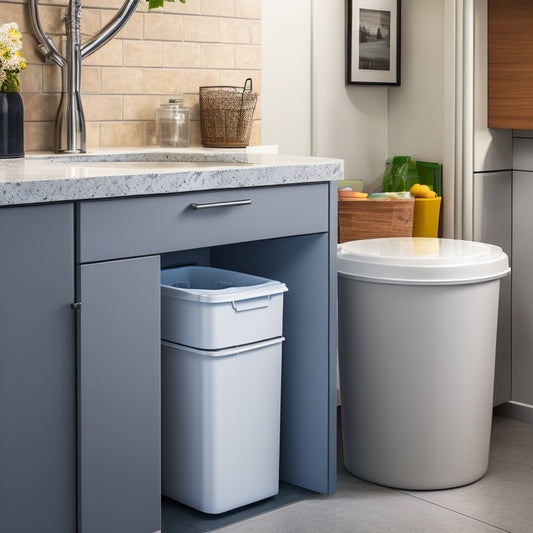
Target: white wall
(304,48)
(422,111)
(349,121)
(416,109)
(286,76)
(307,108)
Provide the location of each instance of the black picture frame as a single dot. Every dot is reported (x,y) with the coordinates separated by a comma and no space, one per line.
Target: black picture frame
(373,42)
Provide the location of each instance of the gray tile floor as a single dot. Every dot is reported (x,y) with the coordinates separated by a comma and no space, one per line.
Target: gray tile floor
(501,501)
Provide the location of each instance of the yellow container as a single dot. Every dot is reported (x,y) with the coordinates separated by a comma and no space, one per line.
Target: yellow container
(426,217)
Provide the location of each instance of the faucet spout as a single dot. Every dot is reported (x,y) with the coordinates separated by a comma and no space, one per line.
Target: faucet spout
(70,122)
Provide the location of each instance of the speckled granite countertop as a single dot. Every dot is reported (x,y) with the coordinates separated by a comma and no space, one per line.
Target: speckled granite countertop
(47,177)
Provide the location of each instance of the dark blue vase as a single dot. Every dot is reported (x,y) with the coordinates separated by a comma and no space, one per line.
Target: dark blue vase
(11,125)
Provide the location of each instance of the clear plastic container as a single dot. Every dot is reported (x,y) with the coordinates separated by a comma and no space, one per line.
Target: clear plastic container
(173,124)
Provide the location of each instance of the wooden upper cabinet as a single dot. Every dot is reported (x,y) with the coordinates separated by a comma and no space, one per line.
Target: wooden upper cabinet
(510,64)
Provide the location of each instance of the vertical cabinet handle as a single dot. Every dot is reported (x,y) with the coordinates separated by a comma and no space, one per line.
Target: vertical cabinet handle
(230,203)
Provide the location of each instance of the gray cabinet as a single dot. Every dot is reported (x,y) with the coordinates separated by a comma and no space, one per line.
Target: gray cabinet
(522,292)
(80,391)
(493,224)
(119,396)
(285,235)
(37,370)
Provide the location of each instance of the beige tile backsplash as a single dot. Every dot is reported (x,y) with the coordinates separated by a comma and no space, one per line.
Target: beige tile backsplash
(162,27)
(169,51)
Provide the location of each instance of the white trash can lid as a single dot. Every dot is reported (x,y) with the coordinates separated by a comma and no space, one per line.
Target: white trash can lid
(421,261)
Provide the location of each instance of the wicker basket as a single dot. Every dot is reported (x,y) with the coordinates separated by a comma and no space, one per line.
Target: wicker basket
(226,115)
(372,219)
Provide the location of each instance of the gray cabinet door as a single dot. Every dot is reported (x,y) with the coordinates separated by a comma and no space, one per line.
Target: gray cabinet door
(37,370)
(119,397)
(493,224)
(522,289)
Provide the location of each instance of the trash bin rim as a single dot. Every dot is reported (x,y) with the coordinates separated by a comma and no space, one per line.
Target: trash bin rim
(453,262)
(248,286)
(223,352)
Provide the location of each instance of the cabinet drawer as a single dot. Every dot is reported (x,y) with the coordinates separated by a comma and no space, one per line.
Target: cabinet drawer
(111,229)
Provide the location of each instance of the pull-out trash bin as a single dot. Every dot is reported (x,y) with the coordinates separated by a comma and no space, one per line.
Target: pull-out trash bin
(220,387)
(417,340)
(213,308)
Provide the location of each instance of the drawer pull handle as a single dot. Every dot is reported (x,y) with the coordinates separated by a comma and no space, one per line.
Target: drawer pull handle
(221,204)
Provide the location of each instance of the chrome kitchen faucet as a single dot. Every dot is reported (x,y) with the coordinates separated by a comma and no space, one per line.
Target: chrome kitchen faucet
(70,122)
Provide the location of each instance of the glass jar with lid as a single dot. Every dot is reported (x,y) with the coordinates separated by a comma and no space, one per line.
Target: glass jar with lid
(173,123)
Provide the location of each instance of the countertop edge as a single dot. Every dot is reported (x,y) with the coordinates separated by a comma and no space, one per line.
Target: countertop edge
(48,183)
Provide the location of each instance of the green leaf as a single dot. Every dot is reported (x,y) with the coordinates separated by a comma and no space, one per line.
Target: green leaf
(153,4)
(11,83)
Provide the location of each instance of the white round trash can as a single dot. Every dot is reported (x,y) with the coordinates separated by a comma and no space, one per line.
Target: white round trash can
(417,341)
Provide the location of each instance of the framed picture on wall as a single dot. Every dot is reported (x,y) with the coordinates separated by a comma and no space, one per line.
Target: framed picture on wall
(373,51)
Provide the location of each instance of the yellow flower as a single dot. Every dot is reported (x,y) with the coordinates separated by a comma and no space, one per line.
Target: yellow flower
(11,60)
(14,34)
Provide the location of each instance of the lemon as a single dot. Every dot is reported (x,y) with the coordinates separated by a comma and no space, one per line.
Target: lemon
(422,191)
(415,189)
